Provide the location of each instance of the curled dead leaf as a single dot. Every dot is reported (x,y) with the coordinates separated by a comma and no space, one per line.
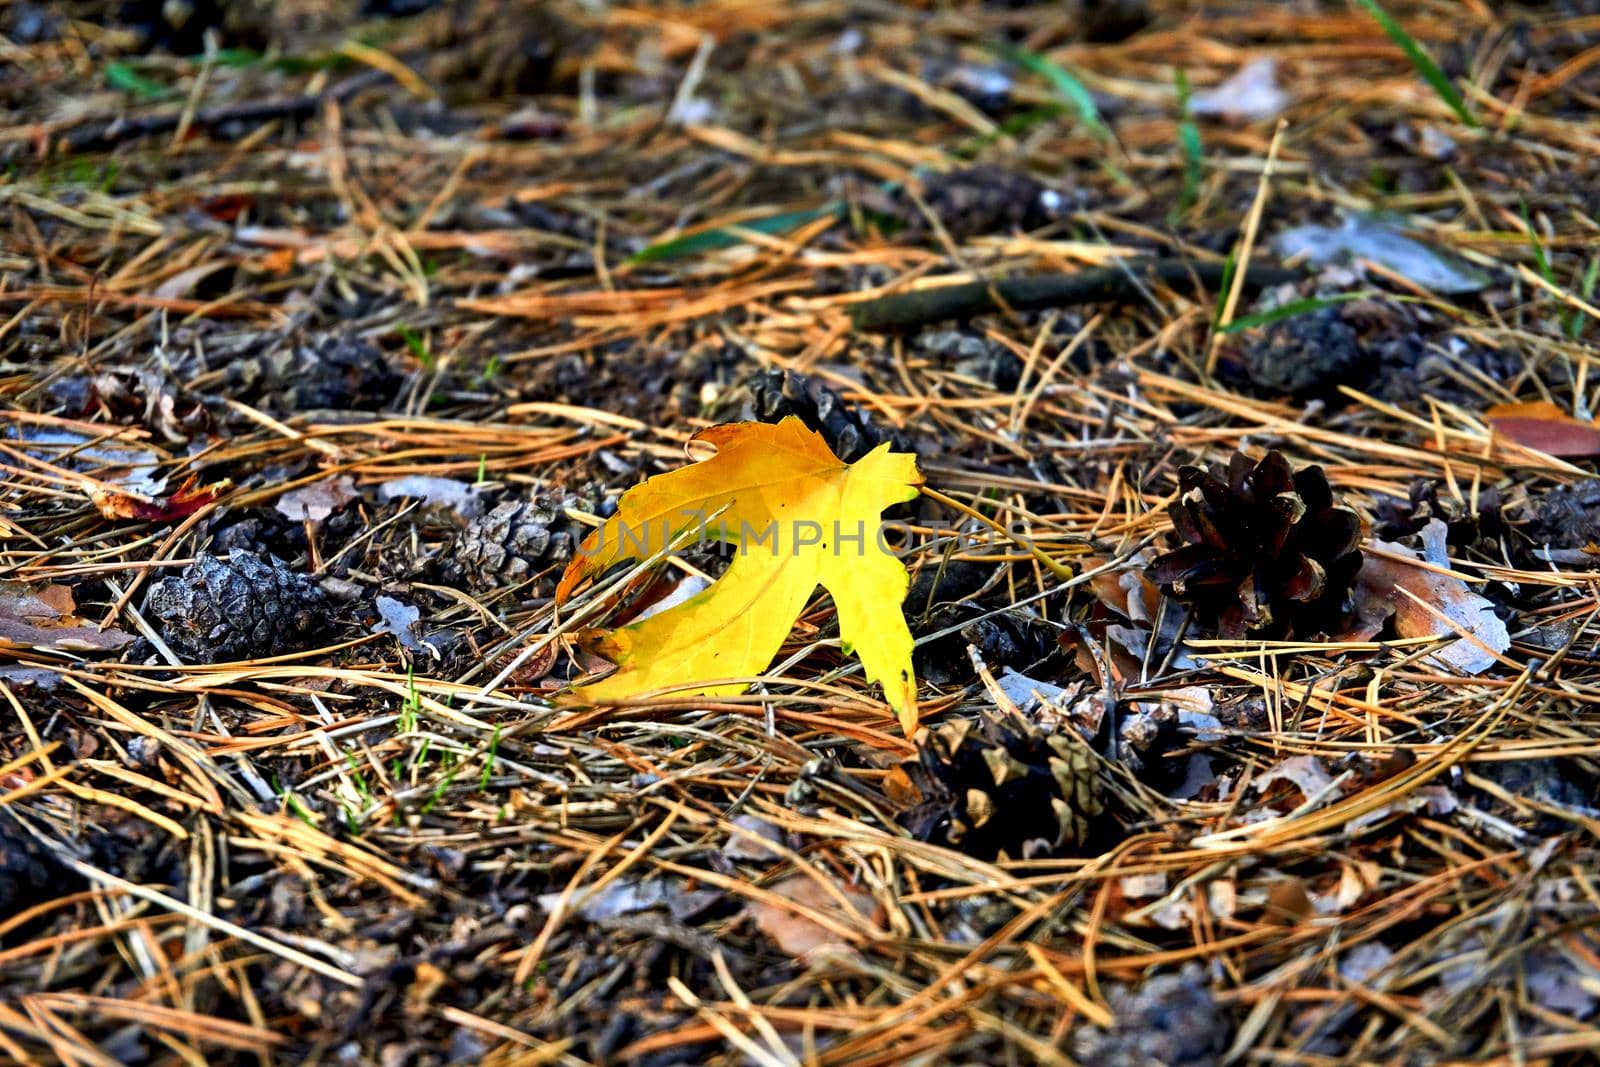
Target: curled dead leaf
(1305,773)
(1288,903)
(752,840)
(1251,95)
(185,501)
(900,789)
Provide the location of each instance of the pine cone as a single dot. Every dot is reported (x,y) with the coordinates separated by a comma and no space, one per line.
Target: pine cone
(1381,348)
(514,541)
(1424,504)
(242,607)
(1018,639)
(1268,553)
(333,371)
(1307,356)
(26,871)
(979,201)
(504,49)
(971,354)
(773,395)
(1006,787)
(1568,516)
(1171,1021)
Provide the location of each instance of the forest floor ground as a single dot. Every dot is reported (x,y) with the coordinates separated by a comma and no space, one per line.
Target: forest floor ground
(326,335)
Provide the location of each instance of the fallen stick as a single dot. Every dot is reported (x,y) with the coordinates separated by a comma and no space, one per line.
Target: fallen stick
(1029,292)
(105,133)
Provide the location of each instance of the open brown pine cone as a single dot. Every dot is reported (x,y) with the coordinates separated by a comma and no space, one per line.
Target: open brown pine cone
(1267,552)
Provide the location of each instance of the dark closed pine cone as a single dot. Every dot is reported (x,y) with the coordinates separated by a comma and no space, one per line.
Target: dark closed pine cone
(1424,503)
(1568,516)
(1307,356)
(505,49)
(1005,787)
(242,607)
(1381,349)
(514,541)
(27,874)
(332,371)
(1172,1020)
(1267,552)
(979,201)
(776,394)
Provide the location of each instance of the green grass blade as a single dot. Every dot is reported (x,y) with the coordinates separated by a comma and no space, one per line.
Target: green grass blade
(1290,310)
(1538,247)
(1571,317)
(1065,84)
(488,762)
(1009,127)
(1229,265)
(232,57)
(1591,275)
(1422,61)
(1189,145)
(122,77)
(417,346)
(728,236)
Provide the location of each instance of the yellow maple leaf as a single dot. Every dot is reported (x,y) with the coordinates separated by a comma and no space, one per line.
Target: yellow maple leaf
(798,517)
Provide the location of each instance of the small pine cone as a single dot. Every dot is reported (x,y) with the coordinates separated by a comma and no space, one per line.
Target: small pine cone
(1307,356)
(978,201)
(1017,638)
(1172,1021)
(1267,553)
(773,395)
(1006,787)
(503,49)
(514,541)
(1466,526)
(1568,516)
(242,607)
(333,371)
(971,354)
(26,871)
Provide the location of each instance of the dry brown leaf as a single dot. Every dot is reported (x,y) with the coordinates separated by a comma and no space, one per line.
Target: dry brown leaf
(1252,94)
(753,840)
(1288,903)
(1382,588)
(41,617)
(1543,426)
(185,282)
(1305,773)
(317,501)
(900,789)
(797,935)
(36,601)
